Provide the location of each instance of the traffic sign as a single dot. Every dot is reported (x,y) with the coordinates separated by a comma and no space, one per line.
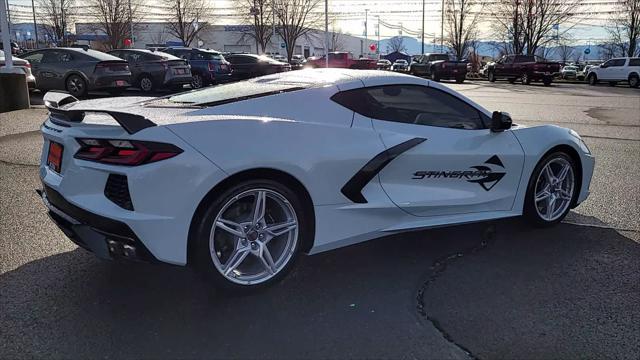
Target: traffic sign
(283,45)
(587,51)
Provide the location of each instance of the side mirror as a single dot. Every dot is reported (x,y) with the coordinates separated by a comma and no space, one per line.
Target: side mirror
(500,121)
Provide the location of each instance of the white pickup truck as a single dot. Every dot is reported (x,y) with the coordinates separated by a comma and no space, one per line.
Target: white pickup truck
(615,70)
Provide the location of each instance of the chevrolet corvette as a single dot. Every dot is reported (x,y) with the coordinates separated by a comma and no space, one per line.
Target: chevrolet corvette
(240,179)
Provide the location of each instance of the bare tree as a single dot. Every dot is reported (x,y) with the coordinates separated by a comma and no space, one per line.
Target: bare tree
(461,21)
(115,19)
(528,24)
(259,14)
(396,43)
(624,30)
(296,18)
(565,52)
(187,18)
(54,16)
(336,41)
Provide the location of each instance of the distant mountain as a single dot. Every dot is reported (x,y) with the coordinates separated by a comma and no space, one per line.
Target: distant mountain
(488,48)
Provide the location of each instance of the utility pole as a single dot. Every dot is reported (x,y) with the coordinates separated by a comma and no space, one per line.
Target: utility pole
(62,23)
(254,12)
(326,33)
(422,53)
(366,19)
(6,36)
(35,26)
(8,12)
(131,23)
(442,28)
(378,44)
(273,21)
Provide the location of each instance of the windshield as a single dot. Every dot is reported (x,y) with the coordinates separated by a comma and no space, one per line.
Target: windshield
(570,68)
(227,93)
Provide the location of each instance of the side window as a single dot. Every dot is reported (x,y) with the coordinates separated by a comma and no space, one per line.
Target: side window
(51,57)
(411,104)
(634,62)
(34,58)
(65,57)
(617,62)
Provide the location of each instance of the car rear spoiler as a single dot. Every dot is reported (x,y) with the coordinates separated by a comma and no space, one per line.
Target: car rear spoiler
(57,101)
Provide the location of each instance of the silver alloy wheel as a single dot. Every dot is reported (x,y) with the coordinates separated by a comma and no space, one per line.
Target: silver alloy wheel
(146,84)
(554,189)
(196,81)
(254,236)
(75,85)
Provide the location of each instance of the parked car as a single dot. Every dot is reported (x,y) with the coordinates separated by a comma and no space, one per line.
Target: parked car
(207,66)
(438,67)
(246,66)
(341,60)
(23,65)
(400,65)
(78,70)
(151,70)
(616,70)
(383,64)
(527,68)
(297,62)
(569,72)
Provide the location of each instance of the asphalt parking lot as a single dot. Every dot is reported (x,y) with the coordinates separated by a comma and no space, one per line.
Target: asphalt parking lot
(489,290)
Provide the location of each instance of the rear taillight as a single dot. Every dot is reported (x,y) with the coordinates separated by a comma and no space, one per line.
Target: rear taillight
(28,65)
(125,152)
(212,67)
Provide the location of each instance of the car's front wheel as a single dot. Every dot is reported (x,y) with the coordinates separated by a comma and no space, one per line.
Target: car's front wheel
(250,236)
(552,190)
(491,76)
(197,81)
(76,86)
(592,79)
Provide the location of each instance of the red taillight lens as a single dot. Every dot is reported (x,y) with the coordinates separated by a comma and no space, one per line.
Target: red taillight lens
(125,152)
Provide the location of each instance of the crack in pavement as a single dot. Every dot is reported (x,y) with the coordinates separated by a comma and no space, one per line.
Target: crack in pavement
(17,164)
(437,268)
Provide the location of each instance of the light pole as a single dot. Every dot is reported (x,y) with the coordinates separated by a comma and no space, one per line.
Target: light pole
(131,23)
(366,20)
(35,26)
(378,44)
(422,27)
(6,42)
(442,28)
(326,33)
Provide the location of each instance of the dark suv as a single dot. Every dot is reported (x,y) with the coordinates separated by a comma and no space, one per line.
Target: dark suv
(151,70)
(207,66)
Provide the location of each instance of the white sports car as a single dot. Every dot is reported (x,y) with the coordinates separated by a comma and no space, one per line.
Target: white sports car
(239,179)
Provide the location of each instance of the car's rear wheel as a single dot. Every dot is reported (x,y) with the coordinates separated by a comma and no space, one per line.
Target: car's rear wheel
(592,79)
(197,81)
(145,83)
(460,80)
(434,76)
(547,80)
(76,86)
(634,80)
(552,190)
(250,236)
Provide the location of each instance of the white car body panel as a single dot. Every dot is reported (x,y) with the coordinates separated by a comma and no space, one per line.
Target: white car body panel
(616,73)
(316,141)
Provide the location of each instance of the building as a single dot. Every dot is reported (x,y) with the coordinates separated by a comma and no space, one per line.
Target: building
(227,38)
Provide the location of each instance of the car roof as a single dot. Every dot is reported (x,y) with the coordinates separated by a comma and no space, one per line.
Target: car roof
(331,76)
(98,55)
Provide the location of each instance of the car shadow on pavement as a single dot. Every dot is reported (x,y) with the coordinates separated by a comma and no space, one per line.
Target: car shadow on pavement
(566,291)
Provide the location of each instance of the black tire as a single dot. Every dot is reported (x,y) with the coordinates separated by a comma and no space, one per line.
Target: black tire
(529,212)
(592,79)
(634,80)
(76,85)
(613,83)
(435,76)
(511,80)
(547,80)
(526,80)
(460,80)
(197,81)
(491,76)
(203,224)
(145,83)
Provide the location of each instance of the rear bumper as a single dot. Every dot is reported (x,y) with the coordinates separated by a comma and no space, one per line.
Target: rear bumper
(106,238)
(452,74)
(220,77)
(182,80)
(115,81)
(543,74)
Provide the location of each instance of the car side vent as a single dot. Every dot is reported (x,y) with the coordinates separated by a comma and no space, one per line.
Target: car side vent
(117,190)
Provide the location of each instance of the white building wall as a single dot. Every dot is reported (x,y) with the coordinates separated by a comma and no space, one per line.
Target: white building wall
(233,38)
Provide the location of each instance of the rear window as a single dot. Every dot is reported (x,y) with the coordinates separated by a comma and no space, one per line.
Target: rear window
(439,57)
(228,93)
(202,55)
